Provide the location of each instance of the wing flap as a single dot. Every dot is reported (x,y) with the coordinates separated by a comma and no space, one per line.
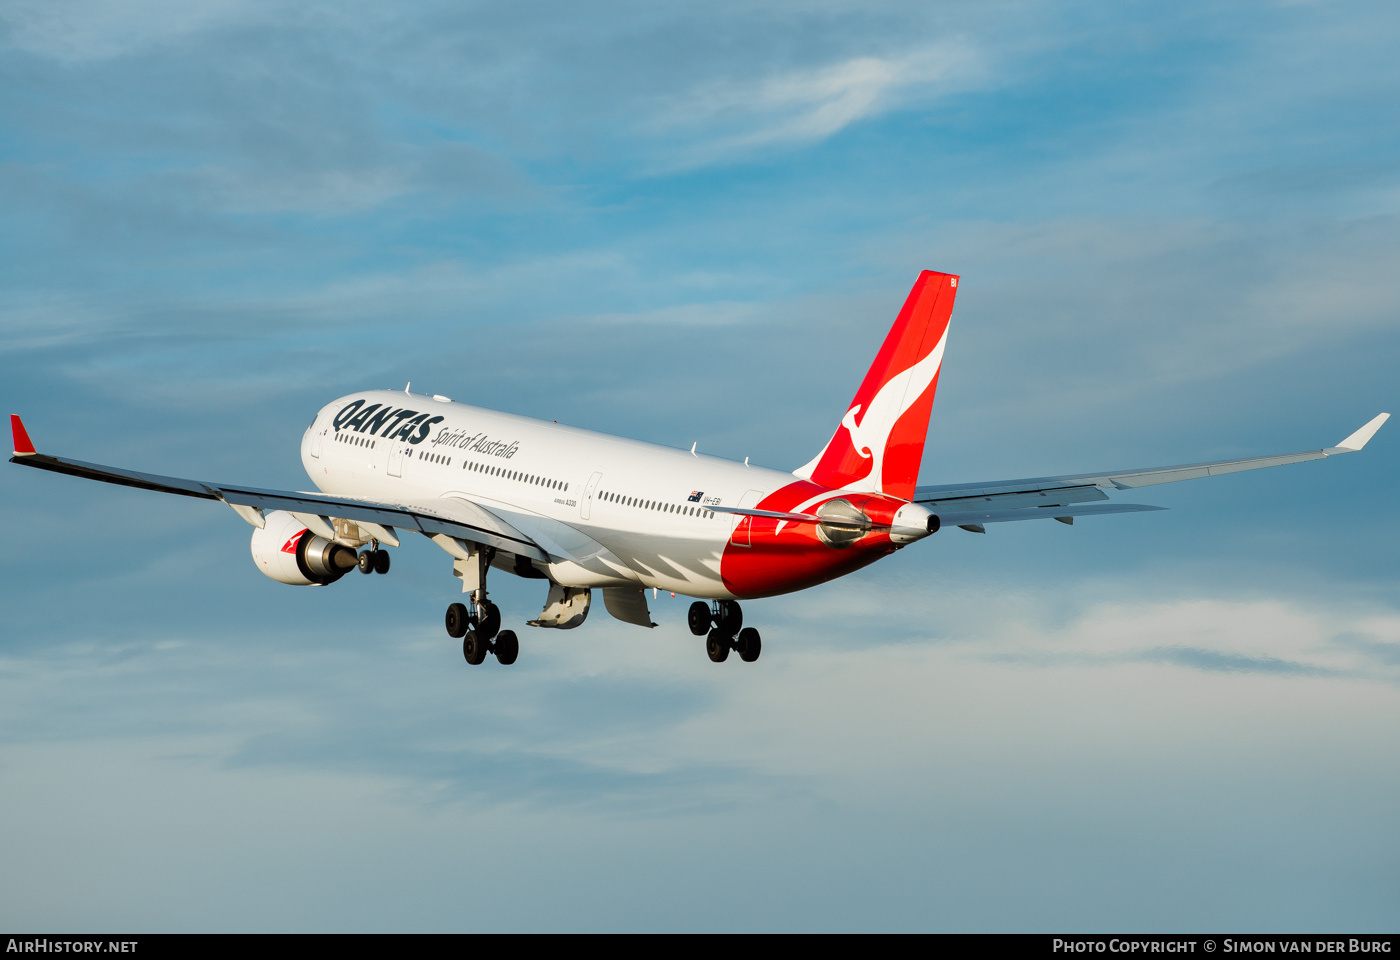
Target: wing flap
(1006,500)
(976,518)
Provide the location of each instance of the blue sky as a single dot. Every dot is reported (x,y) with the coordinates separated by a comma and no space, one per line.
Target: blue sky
(1177,228)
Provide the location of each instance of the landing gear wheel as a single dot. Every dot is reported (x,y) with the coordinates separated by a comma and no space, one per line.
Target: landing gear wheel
(507,647)
(748,645)
(473,648)
(699,618)
(717,646)
(458,620)
(366,561)
(488,619)
(729,617)
(381,561)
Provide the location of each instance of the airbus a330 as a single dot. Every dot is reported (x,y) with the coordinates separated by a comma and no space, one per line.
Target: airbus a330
(583,511)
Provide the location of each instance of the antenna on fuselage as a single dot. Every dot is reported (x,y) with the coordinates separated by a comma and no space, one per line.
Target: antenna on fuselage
(406,386)
(692,449)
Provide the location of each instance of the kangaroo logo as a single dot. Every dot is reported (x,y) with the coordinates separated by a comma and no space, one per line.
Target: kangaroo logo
(869,437)
(880,440)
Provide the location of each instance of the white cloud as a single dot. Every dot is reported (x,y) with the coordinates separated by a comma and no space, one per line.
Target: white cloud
(734,118)
(1175,627)
(103,29)
(1002,716)
(717,314)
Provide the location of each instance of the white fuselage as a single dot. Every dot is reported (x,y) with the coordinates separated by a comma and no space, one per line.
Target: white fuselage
(607,510)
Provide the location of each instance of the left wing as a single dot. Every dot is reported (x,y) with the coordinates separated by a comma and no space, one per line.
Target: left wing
(459,519)
(1029,498)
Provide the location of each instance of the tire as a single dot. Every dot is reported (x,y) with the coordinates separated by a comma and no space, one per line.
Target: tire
(749,645)
(717,646)
(381,561)
(507,647)
(488,622)
(699,618)
(365,562)
(458,620)
(473,648)
(731,618)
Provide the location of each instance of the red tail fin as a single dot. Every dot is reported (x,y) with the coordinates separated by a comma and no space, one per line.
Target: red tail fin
(880,441)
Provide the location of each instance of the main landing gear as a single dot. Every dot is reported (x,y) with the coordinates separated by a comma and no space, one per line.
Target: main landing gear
(373,561)
(481,633)
(719,623)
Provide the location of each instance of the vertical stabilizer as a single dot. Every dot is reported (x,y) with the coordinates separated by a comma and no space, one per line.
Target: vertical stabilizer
(880,442)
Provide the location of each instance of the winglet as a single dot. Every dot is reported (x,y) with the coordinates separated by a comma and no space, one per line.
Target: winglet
(1358,439)
(24,447)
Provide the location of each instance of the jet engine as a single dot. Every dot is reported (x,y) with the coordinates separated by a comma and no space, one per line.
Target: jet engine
(286,551)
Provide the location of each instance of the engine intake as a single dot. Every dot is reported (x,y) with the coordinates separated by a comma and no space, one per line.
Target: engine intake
(286,551)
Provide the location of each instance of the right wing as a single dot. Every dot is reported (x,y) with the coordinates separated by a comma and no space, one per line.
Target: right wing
(1025,499)
(460,519)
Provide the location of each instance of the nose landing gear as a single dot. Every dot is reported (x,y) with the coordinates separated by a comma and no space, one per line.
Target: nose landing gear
(719,623)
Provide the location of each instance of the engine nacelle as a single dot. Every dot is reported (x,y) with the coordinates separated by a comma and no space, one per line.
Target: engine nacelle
(286,551)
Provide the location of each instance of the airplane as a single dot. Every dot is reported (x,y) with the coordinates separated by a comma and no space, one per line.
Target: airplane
(582,510)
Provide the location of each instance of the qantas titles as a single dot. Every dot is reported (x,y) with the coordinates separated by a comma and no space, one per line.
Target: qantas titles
(401,423)
(372,419)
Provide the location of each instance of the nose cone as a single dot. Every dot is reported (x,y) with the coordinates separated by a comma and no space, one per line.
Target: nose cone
(912,522)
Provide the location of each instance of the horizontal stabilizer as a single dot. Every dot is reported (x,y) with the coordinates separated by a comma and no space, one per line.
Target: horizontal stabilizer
(796,517)
(963,515)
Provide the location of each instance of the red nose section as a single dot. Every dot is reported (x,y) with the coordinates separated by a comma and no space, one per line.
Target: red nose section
(23,445)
